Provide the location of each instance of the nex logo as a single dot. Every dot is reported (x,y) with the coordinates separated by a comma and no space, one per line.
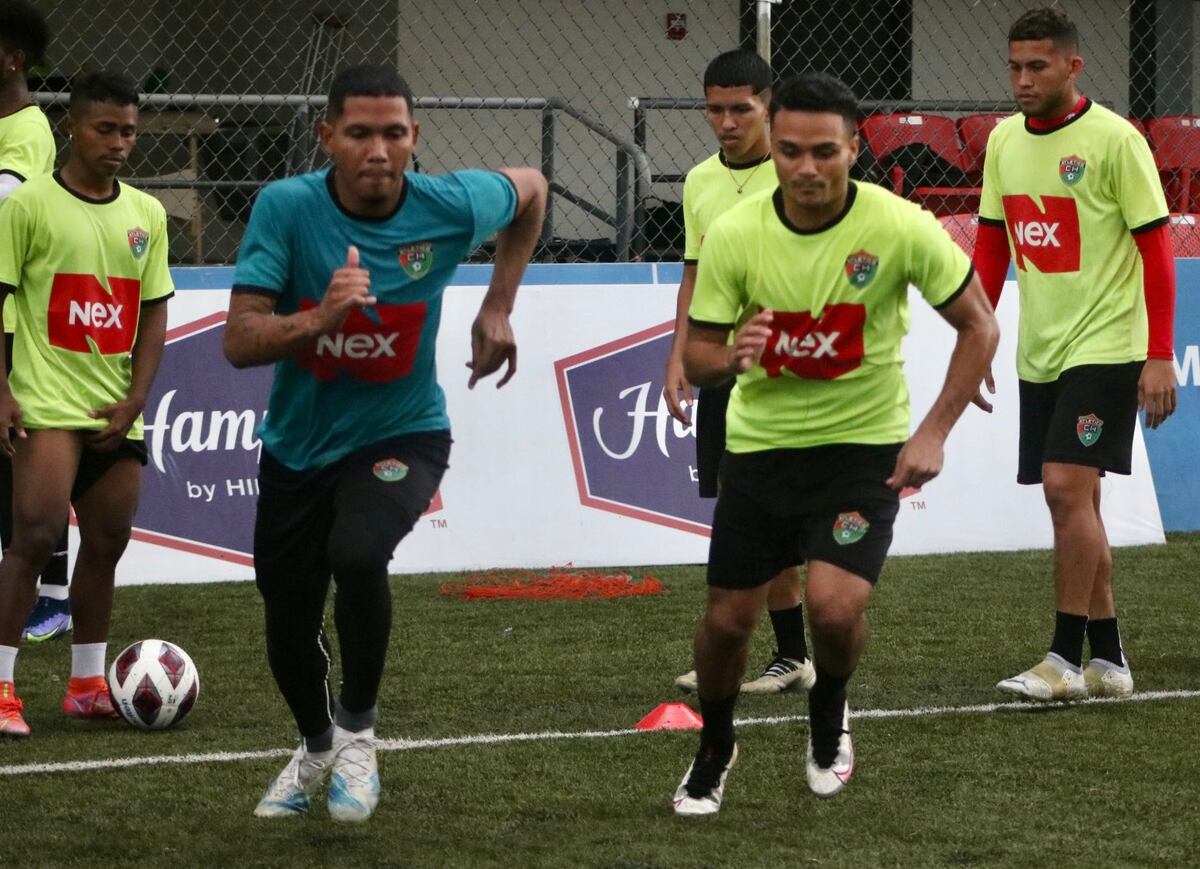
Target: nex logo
(83,313)
(819,349)
(376,348)
(1048,239)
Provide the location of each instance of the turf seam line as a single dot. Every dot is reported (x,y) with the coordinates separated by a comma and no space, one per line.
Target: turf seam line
(552,735)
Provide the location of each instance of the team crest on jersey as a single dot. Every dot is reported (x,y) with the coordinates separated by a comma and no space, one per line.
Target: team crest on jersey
(390,470)
(849,528)
(1089,429)
(861,267)
(138,240)
(417,259)
(1071,169)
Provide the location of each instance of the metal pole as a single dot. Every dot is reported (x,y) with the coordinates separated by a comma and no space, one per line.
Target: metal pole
(548,170)
(763,28)
(624,227)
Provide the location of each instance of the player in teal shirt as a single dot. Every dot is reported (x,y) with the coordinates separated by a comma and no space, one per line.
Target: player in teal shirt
(339,283)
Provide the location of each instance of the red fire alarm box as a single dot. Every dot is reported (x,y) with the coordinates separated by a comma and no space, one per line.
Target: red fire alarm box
(676,25)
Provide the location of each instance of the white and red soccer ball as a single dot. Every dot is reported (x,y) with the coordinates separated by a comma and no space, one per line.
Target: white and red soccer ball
(154,684)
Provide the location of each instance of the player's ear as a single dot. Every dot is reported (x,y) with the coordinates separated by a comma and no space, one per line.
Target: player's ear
(325,135)
(416,132)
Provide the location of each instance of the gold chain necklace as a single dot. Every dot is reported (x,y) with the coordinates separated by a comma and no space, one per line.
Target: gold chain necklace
(749,178)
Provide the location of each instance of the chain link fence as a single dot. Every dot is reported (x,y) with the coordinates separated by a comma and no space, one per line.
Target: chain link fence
(603,95)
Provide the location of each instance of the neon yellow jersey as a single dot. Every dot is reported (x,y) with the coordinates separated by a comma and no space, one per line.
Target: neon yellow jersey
(712,188)
(832,371)
(26,151)
(79,271)
(1069,198)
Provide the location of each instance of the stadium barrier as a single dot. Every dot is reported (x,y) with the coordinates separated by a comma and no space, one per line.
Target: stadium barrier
(576,460)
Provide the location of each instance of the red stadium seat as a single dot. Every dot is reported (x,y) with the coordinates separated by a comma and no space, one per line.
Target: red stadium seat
(974,131)
(963,228)
(1176,142)
(888,135)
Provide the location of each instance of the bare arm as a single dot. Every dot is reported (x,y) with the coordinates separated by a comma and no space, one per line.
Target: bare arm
(709,361)
(10,411)
(147,354)
(978,334)
(492,341)
(674,383)
(255,335)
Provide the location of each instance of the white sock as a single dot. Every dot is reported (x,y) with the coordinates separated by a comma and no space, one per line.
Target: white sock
(87,659)
(54,592)
(8,660)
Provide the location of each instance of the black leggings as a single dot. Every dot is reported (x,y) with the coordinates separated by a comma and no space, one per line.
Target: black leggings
(342,521)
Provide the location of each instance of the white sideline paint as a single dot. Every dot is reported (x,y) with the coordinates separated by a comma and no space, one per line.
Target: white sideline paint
(551,735)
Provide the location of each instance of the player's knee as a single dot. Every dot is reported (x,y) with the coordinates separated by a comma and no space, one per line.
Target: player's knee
(34,542)
(730,624)
(832,617)
(1066,494)
(356,556)
(104,543)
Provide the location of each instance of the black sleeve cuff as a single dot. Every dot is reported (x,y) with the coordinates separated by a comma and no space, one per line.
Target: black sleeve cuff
(1152,225)
(251,289)
(962,288)
(148,302)
(16,175)
(991,221)
(7,289)
(704,324)
(690,262)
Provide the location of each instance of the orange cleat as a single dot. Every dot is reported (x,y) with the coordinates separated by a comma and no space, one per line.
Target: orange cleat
(11,722)
(88,697)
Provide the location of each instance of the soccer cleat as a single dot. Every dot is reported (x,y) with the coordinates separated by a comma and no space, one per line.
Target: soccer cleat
(289,794)
(830,763)
(11,722)
(1052,680)
(49,620)
(782,674)
(354,788)
(703,786)
(1105,679)
(88,697)
(687,682)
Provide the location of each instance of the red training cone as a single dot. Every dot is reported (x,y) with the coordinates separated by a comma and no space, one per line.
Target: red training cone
(671,716)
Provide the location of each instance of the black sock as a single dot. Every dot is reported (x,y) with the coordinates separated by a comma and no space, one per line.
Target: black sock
(1105,640)
(789,632)
(827,697)
(1068,637)
(717,733)
(320,742)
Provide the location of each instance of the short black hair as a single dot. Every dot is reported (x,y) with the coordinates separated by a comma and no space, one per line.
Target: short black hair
(366,80)
(816,92)
(738,68)
(23,28)
(103,86)
(1046,23)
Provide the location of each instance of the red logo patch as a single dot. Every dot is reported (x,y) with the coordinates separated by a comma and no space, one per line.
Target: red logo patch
(373,351)
(818,349)
(1048,239)
(82,310)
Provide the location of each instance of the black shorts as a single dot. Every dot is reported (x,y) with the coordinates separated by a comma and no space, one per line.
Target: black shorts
(94,465)
(376,493)
(1086,417)
(710,435)
(780,508)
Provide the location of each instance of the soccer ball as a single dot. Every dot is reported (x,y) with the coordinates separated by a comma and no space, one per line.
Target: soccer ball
(154,684)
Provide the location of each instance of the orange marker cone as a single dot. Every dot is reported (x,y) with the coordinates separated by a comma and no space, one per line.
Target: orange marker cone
(671,716)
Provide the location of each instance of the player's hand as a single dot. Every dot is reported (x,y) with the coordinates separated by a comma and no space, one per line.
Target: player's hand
(920,460)
(751,342)
(675,384)
(492,344)
(979,401)
(350,287)
(1157,391)
(10,423)
(121,416)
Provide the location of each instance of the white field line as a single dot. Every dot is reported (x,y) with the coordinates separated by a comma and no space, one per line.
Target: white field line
(551,735)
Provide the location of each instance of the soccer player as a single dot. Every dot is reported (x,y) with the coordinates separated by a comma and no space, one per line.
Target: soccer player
(818,446)
(737,88)
(85,259)
(27,149)
(1074,189)
(339,282)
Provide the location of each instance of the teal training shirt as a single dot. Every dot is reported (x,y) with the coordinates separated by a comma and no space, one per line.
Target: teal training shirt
(376,377)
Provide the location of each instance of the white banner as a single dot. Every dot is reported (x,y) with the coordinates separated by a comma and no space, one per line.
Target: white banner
(575,460)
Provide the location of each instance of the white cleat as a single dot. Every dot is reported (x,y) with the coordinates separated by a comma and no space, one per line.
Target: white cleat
(827,781)
(687,682)
(783,674)
(354,787)
(289,794)
(703,786)
(1052,680)
(1105,679)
